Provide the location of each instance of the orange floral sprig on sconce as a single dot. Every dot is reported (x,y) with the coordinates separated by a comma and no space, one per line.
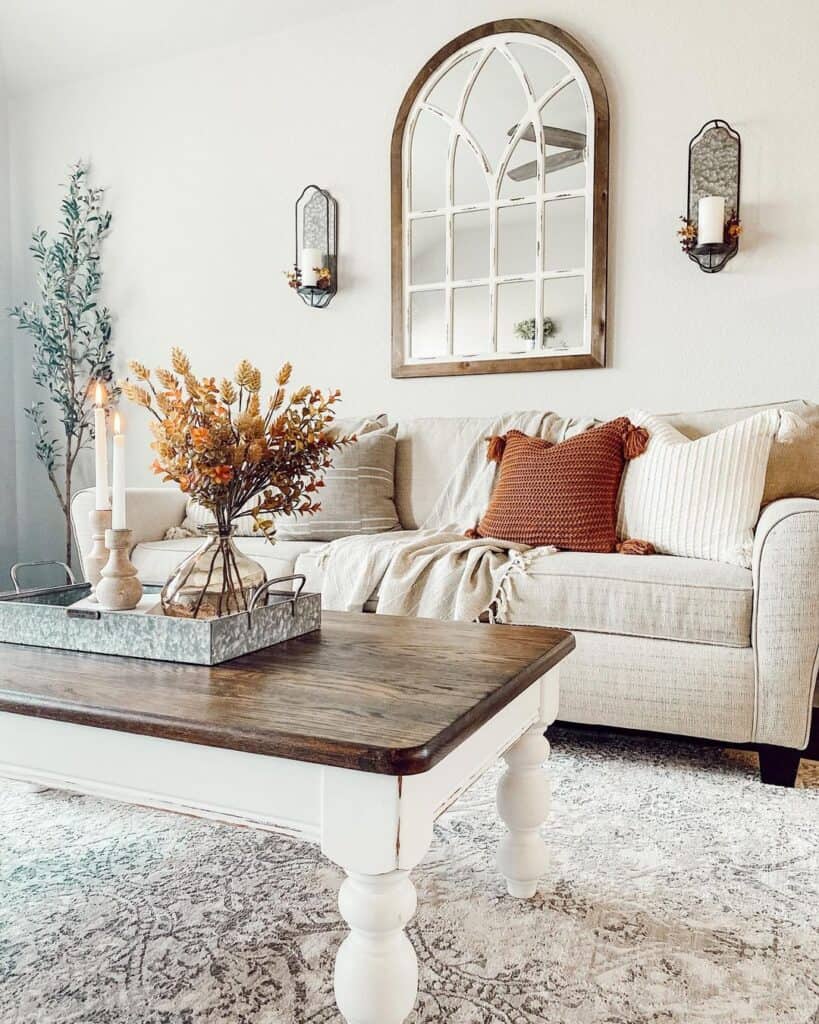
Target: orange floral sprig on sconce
(219,445)
(687,234)
(325,278)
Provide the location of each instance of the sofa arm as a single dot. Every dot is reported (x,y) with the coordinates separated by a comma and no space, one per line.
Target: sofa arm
(785,629)
(150,512)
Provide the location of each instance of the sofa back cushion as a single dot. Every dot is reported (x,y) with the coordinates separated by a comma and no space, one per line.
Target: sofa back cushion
(793,465)
(430,448)
(428,452)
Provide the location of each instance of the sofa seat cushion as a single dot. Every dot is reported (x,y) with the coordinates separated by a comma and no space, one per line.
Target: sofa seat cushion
(155,560)
(658,596)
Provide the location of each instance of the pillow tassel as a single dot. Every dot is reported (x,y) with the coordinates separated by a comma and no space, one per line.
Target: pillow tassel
(497,446)
(472,533)
(635,441)
(636,547)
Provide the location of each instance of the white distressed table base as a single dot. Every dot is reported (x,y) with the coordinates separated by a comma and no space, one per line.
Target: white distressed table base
(376,973)
(524,798)
(376,827)
(32,787)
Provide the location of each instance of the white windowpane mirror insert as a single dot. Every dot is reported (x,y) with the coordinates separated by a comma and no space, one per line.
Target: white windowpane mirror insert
(500,180)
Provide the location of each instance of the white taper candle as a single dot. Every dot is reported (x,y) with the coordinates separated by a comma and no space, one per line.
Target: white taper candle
(118,478)
(102,500)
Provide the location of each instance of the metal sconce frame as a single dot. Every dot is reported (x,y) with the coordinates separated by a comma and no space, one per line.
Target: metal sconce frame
(316,214)
(711,258)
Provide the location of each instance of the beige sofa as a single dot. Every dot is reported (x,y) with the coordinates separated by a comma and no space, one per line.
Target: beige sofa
(666,644)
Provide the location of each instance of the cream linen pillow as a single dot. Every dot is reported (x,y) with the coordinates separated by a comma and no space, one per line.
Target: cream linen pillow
(196,515)
(700,499)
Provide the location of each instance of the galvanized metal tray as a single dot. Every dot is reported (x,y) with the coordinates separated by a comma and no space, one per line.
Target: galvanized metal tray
(65,618)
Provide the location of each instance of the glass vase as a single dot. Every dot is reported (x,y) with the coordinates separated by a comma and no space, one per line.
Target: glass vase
(215,580)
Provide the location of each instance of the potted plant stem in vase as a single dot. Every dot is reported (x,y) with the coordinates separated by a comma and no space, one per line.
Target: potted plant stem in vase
(236,460)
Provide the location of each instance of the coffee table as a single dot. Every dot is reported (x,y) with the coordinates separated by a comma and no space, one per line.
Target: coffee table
(356,737)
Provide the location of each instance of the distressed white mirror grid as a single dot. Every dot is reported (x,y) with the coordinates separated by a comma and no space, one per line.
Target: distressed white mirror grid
(534,112)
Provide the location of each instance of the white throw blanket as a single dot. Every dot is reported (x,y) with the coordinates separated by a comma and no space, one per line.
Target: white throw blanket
(437,572)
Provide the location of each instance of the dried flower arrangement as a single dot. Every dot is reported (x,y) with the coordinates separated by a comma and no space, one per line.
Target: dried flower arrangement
(219,446)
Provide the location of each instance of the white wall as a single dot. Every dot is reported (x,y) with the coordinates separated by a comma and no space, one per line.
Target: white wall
(8,511)
(205,154)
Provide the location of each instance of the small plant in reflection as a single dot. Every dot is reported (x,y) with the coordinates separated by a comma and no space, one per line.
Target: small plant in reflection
(527,329)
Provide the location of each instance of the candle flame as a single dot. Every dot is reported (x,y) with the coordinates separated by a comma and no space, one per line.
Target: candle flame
(99,394)
(117,423)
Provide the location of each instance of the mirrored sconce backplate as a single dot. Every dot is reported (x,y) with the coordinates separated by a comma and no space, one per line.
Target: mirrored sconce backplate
(714,166)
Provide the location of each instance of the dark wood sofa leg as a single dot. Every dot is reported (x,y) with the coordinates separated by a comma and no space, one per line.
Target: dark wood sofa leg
(778,766)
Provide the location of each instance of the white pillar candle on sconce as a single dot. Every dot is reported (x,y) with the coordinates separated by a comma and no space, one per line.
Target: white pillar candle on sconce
(102,501)
(711,220)
(118,477)
(310,258)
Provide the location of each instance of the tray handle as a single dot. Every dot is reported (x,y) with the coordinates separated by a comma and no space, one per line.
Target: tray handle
(28,565)
(264,588)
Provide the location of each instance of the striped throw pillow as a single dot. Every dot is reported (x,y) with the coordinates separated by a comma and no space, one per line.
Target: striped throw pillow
(699,499)
(358,493)
(196,515)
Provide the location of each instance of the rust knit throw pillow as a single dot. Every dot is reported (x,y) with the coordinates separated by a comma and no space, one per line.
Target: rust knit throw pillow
(563,494)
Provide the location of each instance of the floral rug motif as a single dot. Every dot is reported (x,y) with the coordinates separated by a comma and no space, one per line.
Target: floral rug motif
(682,891)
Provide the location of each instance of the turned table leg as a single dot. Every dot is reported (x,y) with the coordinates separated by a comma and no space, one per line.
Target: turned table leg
(523,803)
(376,975)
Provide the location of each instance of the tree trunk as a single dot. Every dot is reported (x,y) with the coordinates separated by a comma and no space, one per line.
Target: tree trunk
(67,511)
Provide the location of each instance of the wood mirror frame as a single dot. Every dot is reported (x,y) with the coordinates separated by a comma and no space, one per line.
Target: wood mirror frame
(596,189)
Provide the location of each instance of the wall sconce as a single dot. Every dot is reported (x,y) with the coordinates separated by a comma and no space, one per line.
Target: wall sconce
(711,227)
(315,269)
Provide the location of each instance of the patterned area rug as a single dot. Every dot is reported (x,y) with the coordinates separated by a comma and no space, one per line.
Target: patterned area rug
(682,890)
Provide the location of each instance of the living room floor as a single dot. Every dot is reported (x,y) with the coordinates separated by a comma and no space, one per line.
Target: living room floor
(682,890)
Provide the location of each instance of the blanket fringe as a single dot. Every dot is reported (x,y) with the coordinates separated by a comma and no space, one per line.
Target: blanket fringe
(519,561)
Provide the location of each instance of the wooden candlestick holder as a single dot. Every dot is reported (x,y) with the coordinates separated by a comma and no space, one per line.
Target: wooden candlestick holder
(119,589)
(96,558)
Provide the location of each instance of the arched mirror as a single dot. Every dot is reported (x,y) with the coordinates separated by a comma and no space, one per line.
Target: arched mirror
(499,207)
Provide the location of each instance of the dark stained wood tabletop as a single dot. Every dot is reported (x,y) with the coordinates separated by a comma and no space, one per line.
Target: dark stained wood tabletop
(372,692)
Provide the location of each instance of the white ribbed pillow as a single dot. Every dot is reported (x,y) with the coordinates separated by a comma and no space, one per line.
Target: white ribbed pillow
(699,499)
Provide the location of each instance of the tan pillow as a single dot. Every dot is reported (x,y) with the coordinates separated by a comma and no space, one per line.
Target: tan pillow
(793,466)
(358,493)
(196,516)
